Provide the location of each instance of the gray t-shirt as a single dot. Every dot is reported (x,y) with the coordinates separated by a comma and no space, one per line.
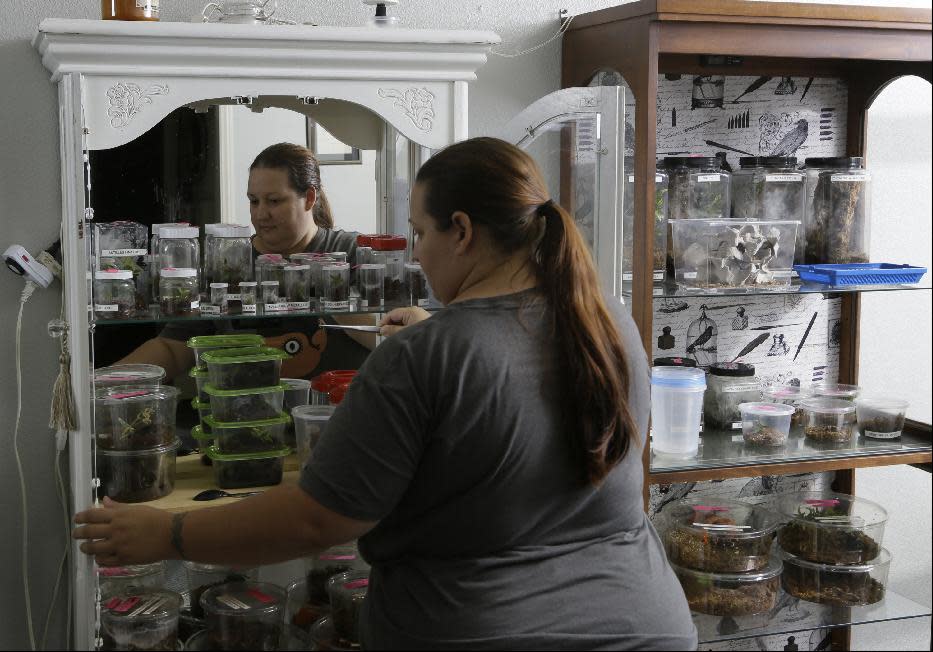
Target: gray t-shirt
(488,537)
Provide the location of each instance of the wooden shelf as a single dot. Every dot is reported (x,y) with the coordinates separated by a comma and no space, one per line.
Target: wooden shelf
(191,476)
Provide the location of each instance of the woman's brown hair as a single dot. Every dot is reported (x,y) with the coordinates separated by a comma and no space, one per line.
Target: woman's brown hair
(501,188)
(304,172)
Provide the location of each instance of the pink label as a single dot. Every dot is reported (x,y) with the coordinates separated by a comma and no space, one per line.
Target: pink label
(357,584)
(259,595)
(128,395)
(112,571)
(709,508)
(828,502)
(124,606)
(337,557)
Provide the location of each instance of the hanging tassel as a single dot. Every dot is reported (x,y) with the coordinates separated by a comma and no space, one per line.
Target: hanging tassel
(64,414)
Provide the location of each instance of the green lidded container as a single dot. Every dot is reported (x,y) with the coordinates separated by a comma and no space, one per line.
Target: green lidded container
(244,368)
(237,405)
(203,343)
(240,438)
(247,470)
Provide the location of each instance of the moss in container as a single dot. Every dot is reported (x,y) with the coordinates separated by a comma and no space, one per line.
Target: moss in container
(180,303)
(248,469)
(347,593)
(248,404)
(244,616)
(137,476)
(843,586)
(831,528)
(249,436)
(244,368)
(733,594)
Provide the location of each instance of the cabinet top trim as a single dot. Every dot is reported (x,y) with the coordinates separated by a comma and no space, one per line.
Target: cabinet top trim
(103,47)
(754,12)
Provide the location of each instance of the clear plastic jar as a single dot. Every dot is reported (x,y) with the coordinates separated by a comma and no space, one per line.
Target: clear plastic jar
(728,385)
(770,188)
(140,621)
(298,286)
(834,584)
(372,285)
(154,259)
(660,221)
(179,248)
(881,417)
(333,561)
(317,274)
(228,255)
(178,292)
(270,295)
(828,420)
(147,10)
(115,580)
(838,210)
(390,251)
(788,395)
(248,298)
(347,592)
(114,294)
(239,12)
(218,302)
(244,615)
(732,594)
(336,292)
(364,249)
(698,188)
(416,285)
(202,577)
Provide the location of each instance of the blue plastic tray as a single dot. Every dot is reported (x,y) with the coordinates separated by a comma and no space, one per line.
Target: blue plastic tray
(860,274)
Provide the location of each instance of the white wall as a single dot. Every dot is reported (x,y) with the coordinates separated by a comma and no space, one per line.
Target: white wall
(30,214)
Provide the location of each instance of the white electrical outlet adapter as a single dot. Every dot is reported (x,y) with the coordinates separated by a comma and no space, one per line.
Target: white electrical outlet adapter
(22,263)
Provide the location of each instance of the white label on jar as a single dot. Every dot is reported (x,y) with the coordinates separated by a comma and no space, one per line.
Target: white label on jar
(707,178)
(364,303)
(196,304)
(336,305)
(106,307)
(299,305)
(626,276)
(631,178)
(883,435)
(276,307)
(736,425)
(794,178)
(738,438)
(122,253)
(658,276)
(690,275)
(232,602)
(657,292)
(849,177)
(210,310)
(249,308)
(234,297)
(148,4)
(657,178)
(422,303)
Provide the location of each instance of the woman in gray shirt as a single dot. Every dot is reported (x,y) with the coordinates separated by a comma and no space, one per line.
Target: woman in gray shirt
(488,458)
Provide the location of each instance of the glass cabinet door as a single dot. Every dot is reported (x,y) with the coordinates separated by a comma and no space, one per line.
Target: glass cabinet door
(574,136)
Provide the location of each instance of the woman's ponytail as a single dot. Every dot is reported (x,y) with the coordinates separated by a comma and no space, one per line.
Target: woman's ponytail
(321,213)
(500,187)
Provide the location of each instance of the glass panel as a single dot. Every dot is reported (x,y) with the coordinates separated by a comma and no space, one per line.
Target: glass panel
(155,318)
(796,287)
(722,449)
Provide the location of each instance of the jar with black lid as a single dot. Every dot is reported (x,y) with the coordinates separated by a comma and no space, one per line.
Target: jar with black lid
(728,385)
(838,210)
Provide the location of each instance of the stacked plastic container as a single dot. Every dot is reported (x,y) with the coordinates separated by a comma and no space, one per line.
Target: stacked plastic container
(247,422)
(721,551)
(831,547)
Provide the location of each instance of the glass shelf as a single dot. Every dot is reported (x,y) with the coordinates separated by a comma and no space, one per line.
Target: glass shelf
(794,615)
(669,290)
(727,449)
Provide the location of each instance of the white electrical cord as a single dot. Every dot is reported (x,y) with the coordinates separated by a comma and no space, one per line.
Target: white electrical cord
(560,32)
(27,292)
(61,439)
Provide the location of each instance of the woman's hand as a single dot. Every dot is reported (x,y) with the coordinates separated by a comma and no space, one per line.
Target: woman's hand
(400,318)
(118,534)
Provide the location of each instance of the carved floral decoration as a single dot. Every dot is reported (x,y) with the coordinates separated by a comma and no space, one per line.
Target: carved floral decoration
(417,103)
(127,100)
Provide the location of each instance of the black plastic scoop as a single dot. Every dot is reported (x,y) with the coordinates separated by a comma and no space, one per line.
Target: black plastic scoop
(214,494)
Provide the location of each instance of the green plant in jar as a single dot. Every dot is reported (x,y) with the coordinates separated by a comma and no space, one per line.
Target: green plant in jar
(826,533)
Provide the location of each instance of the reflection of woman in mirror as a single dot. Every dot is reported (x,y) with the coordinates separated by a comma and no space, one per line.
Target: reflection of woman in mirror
(291,214)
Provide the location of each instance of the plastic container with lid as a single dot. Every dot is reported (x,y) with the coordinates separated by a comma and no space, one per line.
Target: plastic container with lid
(321,567)
(248,469)
(731,254)
(364,248)
(271,296)
(828,420)
(390,251)
(238,438)
(838,210)
(732,594)
(836,390)
(179,295)
(676,401)
(723,536)
(154,259)
(322,384)
(140,418)
(129,375)
(121,243)
(204,411)
(788,395)
(416,284)
(728,385)
(324,636)
(881,417)
(204,343)
(766,424)
(244,367)
(831,528)
(244,615)
(834,584)
(145,620)
(297,393)
(698,188)
(268,267)
(335,291)
(137,476)
(371,279)
(347,593)
(228,255)
(310,421)
(203,439)
(202,577)
(147,10)
(297,286)
(236,405)
(628,219)
(317,273)
(116,580)
(218,303)
(301,610)
(768,188)
(114,294)
(179,247)
(248,297)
